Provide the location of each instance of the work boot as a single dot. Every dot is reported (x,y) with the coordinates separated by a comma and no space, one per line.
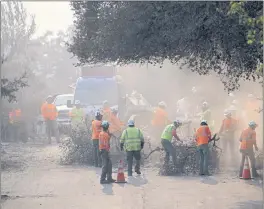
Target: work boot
(111,180)
(208,174)
(104,182)
(138,172)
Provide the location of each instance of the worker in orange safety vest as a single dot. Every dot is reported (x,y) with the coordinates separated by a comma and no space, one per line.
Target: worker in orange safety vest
(227,130)
(107,112)
(202,137)
(247,141)
(49,113)
(160,119)
(104,146)
(96,129)
(115,124)
(15,119)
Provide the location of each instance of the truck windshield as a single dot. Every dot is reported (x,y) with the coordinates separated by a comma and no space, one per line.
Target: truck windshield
(62,99)
(93,91)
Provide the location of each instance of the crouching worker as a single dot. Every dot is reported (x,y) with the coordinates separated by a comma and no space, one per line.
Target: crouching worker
(202,136)
(247,141)
(133,141)
(104,146)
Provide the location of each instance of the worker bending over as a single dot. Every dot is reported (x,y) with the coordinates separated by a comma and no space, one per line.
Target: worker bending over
(50,114)
(202,137)
(133,141)
(166,138)
(247,141)
(96,129)
(104,146)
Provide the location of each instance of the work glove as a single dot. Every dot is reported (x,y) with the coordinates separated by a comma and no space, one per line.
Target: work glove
(142,145)
(122,146)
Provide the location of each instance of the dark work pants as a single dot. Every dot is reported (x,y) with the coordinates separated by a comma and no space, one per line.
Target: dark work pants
(229,146)
(203,152)
(52,129)
(130,156)
(170,151)
(107,165)
(250,154)
(96,153)
(16,131)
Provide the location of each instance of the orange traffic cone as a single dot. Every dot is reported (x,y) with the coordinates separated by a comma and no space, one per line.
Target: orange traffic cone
(120,173)
(246,171)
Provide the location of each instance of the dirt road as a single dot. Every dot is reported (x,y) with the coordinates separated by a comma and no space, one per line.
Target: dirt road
(44,184)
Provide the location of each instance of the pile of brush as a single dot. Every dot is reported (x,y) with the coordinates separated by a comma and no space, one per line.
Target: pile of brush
(78,147)
(188,158)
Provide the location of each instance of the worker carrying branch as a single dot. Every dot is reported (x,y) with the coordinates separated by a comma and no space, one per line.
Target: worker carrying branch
(166,138)
(133,141)
(202,137)
(247,141)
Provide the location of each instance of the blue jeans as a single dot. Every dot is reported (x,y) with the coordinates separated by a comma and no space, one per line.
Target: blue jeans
(203,152)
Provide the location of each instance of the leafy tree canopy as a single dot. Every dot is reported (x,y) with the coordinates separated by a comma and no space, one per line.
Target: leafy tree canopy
(225,37)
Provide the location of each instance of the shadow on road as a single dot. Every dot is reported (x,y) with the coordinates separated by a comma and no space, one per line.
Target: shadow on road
(108,189)
(209,180)
(249,205)
(137,181)
(254,182)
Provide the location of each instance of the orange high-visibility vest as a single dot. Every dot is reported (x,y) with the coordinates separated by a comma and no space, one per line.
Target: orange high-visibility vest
(49,111)
(104,141)
(15,115)
(228,124)
(115,124)
(247,139)
(203,134)
(160,117)
(96,129)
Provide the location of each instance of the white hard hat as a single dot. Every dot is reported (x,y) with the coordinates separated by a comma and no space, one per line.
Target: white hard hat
(162,104)
(252,124)
(227,113)
(205,104)
(204,121)
(131,122)
(231,94)
(77,102)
